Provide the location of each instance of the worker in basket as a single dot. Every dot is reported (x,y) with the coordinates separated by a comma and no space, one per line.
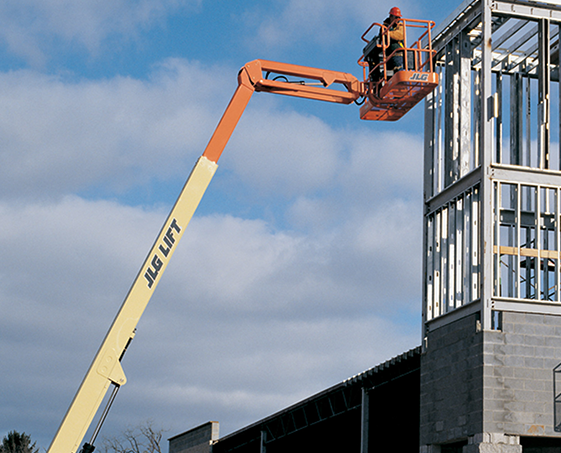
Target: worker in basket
(396,36)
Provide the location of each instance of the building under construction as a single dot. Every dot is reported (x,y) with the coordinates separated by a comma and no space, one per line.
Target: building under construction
(487,376)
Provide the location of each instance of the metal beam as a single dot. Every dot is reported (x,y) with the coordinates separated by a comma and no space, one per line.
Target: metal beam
(526,9)
(465,148)
(365,421)
(467,15)
(486,147)
(516,117)
(451,114)
(544,56)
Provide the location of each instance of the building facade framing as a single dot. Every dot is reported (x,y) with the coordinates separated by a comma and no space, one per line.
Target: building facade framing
(491,266)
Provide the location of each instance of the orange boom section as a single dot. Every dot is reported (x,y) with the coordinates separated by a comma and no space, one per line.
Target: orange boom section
(272,77)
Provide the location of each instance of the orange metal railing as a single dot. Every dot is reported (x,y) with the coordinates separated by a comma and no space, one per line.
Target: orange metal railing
(391,94)
(422,57)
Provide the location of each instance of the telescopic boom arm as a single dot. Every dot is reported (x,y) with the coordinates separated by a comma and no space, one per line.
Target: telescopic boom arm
(106,367)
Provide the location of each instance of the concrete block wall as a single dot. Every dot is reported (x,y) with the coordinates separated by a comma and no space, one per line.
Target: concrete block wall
(518,375)
(490,383)
(196,440)
(452,382)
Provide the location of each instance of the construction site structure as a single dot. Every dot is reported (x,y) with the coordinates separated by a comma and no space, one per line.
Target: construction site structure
(491,359)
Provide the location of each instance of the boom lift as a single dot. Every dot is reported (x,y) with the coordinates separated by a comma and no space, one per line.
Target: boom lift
(386,97)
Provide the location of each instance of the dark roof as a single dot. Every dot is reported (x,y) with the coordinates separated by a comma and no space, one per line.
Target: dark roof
(327,404)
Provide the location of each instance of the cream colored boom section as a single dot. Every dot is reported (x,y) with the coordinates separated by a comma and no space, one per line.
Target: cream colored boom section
(106,368)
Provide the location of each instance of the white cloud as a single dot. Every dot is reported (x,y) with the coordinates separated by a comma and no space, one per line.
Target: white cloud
(323,22)
(244,267)
(376,172)
(27,26)
(275,150)
(249,370)
(243,313)
(59,137)
(385,164)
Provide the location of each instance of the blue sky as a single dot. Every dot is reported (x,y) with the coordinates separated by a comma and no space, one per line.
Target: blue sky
(302,266)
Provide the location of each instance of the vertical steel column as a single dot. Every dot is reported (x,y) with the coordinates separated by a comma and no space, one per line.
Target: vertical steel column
(486,149)
(439,165)
(451,123)
(460,246)
(476,245)
(528,160)
(499,119)
(429,188)
(557,247)
(477,121)
(262,442)
(516,136)
(544,57)
(497,197)
(430,148)
(559,95)
(365,420)
(452,250)
(518,239)
(429,286)
(468,247)
(444,250)
(539,270)
(465,103)
(513,241)
(437,260)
